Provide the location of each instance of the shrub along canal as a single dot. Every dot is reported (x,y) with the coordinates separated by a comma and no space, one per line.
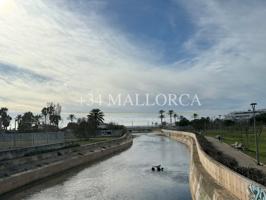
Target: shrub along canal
(125,176)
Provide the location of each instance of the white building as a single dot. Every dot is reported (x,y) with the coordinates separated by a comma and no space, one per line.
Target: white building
(243,115)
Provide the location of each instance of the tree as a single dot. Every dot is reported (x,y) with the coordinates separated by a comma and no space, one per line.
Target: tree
(81,120)
(161,116)
(96,117)
(45,113)
(170,113)
(175,117)
(26,122)
(183,121)
(4,118)
(17,120)
(55,119)
(229,122)
(82,129)
(50,111)
(71,117)
(114,126)
(195,115)
(200,124)
(6,121)
(261,118)
(54,111)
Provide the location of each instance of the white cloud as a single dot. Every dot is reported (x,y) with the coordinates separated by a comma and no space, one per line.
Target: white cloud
(81,54)
(234,65)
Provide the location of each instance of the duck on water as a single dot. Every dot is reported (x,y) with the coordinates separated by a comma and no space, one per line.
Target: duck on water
(158,167)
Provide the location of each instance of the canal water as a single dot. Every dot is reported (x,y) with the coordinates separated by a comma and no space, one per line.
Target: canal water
(126,176)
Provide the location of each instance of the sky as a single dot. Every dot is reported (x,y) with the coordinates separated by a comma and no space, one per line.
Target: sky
(62,50)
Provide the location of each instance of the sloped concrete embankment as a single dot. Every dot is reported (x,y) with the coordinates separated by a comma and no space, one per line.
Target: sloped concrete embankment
(210,179)
(84,156)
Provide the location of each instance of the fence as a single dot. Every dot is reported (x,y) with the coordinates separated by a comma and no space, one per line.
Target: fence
(20,140)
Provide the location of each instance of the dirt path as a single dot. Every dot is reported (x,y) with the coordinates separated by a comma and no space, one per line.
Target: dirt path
(242,159)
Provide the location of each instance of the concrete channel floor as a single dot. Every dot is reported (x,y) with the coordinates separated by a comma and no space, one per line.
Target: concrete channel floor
(243,159)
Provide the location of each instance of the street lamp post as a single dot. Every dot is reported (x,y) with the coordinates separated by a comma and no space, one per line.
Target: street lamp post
(253,105)
(220,127)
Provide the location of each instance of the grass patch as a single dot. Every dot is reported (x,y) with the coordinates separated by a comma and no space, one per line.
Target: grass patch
(36,152)
(94,140)
(247,138)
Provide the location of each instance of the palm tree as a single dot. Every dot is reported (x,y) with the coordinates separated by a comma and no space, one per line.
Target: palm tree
(4,118)
(170,113)
(50,111)
(17,121)
(55,119)
(195,115)
(3,110)
(161,116)
(3,113)
(16,124)
(96,117)
(175,116)
(45,113)
(71,117)
(6,121)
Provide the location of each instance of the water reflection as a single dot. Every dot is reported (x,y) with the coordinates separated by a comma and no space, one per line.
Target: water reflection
(127,176)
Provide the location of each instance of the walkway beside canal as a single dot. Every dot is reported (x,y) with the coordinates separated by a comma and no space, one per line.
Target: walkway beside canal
(243,159)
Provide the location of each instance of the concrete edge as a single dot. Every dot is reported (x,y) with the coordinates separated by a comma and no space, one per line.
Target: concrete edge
(21,179)
(203,185)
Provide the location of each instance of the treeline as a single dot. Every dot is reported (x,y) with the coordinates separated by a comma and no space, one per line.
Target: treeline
(203,123)
(48,119)
(86,127)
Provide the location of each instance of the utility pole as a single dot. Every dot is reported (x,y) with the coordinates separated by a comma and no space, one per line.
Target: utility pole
(220,127)
(253,105)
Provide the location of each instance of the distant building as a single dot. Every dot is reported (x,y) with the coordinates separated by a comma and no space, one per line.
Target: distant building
(105,130)
(109,132)
(243,115)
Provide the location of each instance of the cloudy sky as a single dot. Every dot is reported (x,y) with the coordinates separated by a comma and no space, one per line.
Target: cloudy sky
(62,50)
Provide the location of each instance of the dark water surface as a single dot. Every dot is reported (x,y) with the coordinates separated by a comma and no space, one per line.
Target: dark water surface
(126,176)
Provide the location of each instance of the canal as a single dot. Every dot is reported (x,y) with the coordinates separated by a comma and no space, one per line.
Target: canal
(126,176)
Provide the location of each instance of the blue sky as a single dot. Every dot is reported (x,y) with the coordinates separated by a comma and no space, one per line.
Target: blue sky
(162,25)
(62,50)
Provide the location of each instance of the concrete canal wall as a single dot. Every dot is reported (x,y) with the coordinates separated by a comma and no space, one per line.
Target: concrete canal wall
(20,179)
(9,141)
(212,180)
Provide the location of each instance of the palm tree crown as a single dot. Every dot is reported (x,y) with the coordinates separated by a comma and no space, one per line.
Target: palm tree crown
(195,115)
(71,117)
(175,116)
(170,113)
(45,113)
(161,116)
(5,119)
(96,117)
